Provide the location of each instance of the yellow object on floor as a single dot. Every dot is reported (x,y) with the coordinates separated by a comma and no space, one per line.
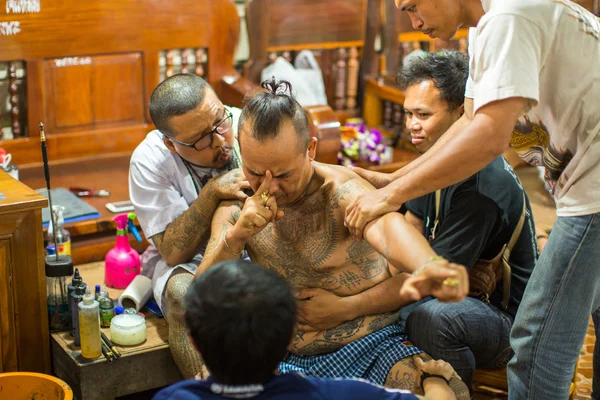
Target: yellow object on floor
(33,386)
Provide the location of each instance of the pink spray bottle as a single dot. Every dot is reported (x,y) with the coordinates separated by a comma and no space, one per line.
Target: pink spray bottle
(122,263)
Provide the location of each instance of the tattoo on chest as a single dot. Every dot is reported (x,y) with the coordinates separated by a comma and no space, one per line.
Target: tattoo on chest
(369,263)
(300,243)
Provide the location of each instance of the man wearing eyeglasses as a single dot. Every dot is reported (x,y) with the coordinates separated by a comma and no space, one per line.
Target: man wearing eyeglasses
(178,175)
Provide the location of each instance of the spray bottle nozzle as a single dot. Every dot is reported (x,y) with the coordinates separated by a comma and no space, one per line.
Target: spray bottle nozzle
(124,223)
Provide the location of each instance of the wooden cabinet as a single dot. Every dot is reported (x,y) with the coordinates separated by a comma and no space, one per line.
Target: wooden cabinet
(24,338)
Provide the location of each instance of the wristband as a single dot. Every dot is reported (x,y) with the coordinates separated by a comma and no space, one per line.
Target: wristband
(425,375)
(229,248)
(426,263)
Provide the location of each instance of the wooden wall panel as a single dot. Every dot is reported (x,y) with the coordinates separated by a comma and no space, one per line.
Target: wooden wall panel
(93,94)
(65,29)
(69,96)
(315,21)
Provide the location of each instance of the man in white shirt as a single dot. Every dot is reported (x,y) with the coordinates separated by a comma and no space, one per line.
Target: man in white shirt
(178,175)
(533,63)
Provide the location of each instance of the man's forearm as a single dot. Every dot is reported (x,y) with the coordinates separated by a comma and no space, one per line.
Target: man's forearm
(380,298)
(182,239)
(399,242)
(221,248)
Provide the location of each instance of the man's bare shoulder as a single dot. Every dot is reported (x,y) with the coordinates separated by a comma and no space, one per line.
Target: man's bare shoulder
(345,184)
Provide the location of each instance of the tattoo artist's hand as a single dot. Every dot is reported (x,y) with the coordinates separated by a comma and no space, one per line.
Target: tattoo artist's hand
(365,208)
(377,179)
(429,281)
(231,185)
(437,367)
(320,309)
(255,215)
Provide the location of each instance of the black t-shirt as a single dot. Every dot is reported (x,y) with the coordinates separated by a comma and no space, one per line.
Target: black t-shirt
(477,217)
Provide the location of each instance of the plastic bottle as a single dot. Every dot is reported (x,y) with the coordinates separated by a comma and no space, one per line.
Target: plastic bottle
(76,281)
(122,263)
(89,326)
(97,293)
(63,237)
(106,311)
(74,301)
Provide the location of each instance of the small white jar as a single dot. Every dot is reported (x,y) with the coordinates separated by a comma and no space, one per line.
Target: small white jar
(128,329)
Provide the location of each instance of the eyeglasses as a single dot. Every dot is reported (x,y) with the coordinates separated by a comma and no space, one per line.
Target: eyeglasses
(205,141)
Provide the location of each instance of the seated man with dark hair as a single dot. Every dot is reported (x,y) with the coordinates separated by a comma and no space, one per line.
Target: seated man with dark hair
(241,318)
(469,221)
(293,225)
(177,176)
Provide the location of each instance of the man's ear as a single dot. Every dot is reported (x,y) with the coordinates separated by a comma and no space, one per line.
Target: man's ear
(312,148)
(461,109)
(169,144)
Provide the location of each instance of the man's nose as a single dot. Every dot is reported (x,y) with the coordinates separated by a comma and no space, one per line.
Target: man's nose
(217,140)
(274,188)
(413,125)
(417,22)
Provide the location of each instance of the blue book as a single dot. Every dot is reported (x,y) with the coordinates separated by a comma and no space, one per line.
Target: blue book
(76,209)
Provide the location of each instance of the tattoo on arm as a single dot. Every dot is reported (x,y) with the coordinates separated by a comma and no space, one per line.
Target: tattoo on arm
(381,321)
(320,347)
(183,237)
(166,248)
(345,330)
(333,339)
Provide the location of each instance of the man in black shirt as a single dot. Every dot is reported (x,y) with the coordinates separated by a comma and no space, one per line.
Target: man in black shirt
(476,218)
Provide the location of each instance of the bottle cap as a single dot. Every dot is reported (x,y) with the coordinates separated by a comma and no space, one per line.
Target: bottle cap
(80,290)
(119,310)
(97,289)
(59,268)
(88,297)
(77,279)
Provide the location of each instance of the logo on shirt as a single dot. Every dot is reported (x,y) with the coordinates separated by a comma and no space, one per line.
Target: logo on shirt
(237,392)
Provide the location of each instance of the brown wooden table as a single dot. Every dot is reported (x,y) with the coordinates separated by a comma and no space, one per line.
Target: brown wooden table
(140,368)
(90,239)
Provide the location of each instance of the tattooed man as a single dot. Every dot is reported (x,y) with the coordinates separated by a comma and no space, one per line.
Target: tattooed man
(293,225)
(178,175)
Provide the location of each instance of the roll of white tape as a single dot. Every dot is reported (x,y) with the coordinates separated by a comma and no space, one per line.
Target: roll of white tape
(137,293)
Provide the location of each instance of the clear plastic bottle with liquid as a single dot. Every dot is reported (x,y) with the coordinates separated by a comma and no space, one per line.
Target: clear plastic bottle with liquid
(89,326)
(63,237)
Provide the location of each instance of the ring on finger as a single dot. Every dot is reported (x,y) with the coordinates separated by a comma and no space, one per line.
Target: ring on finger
(452,282)
(265,197)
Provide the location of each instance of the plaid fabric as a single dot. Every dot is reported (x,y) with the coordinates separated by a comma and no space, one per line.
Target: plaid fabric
(371,357)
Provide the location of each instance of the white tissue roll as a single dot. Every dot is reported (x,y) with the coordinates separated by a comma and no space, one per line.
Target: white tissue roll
(137,293)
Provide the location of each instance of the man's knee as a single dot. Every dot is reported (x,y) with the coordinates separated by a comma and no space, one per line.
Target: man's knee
(432,316)
(175,291)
